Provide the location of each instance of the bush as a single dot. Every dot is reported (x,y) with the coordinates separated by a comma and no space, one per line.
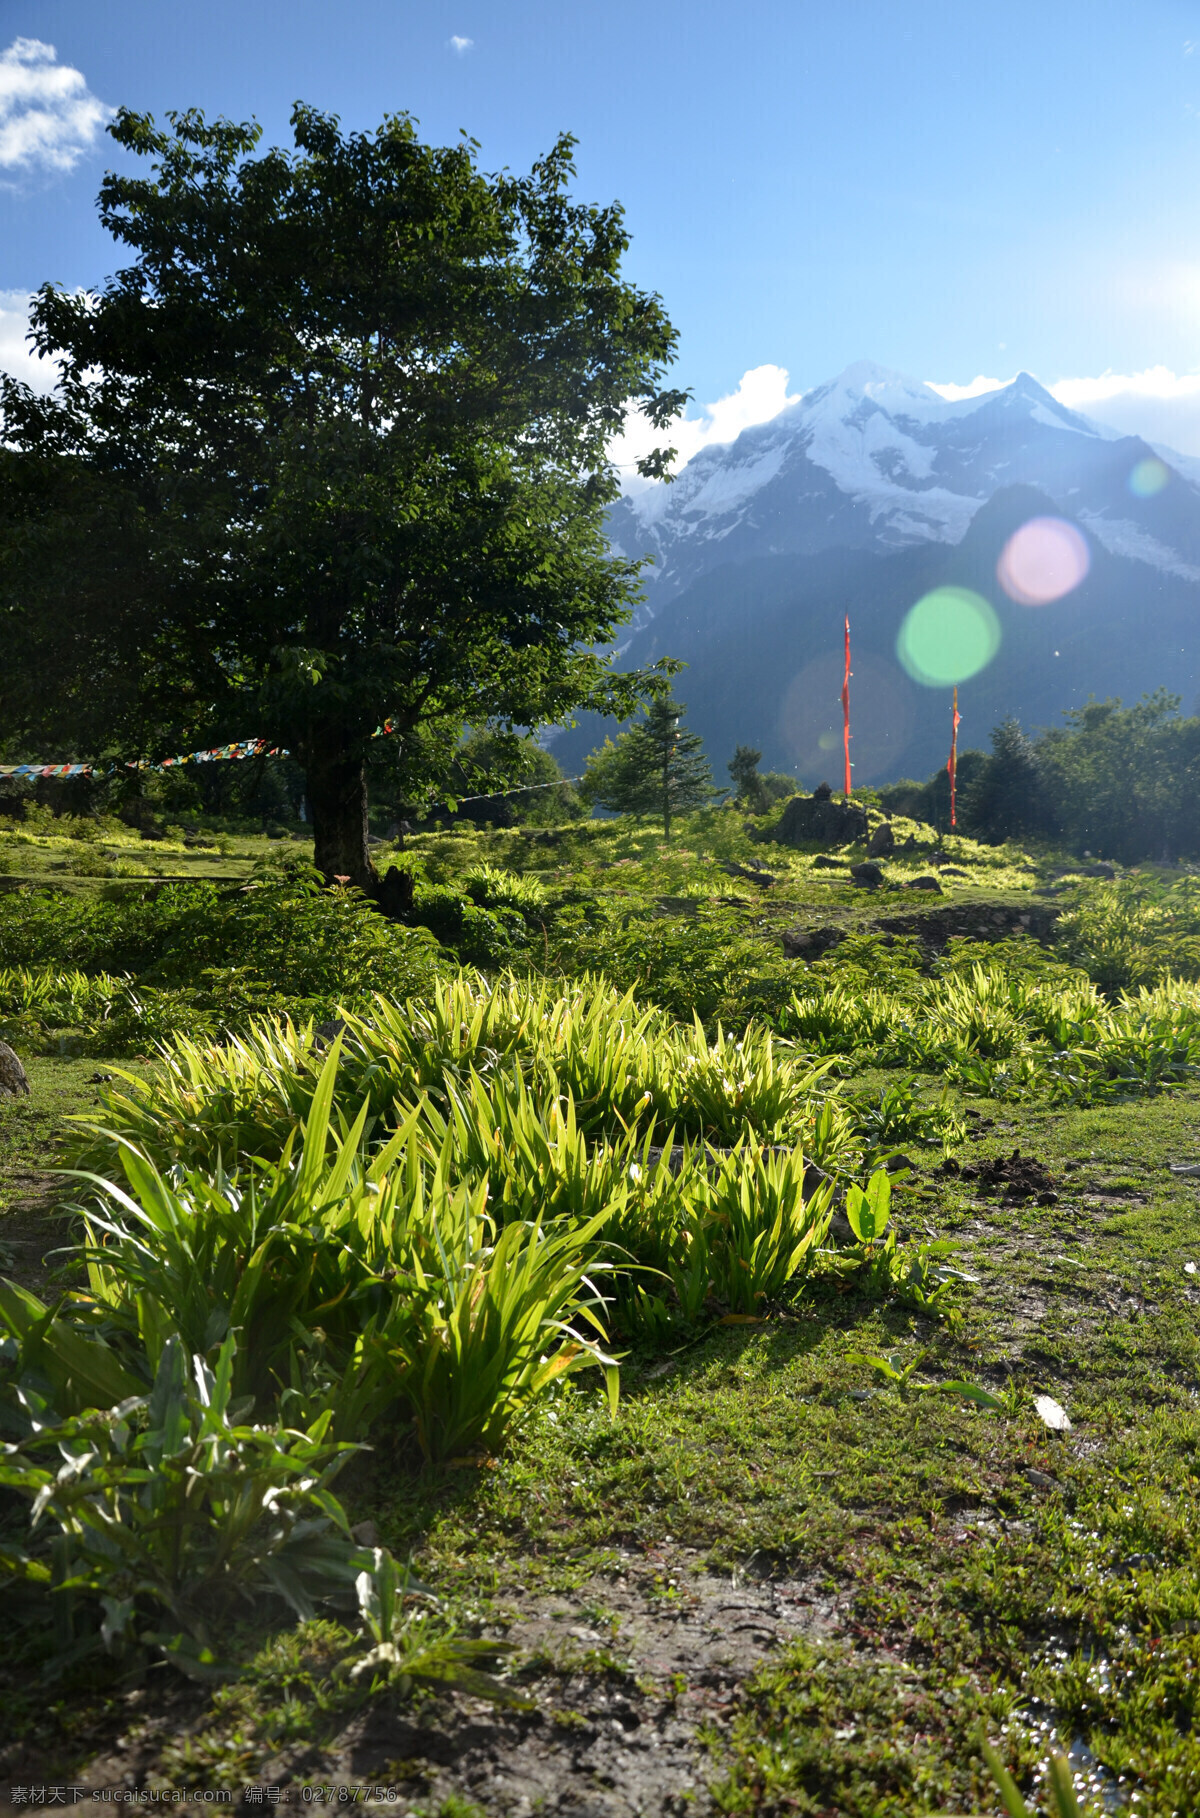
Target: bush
(281,941)
(171,1511)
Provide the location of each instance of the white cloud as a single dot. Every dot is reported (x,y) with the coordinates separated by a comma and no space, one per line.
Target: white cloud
(48,115)
(1161,406)
(762,392)
(952,393)
(460,46)
(1157,404)
(16,355)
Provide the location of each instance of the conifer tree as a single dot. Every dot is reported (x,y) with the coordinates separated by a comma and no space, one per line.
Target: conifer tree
(743,768)
(657,767)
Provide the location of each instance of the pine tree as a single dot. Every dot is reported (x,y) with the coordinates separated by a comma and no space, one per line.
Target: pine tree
(656,767)
(743,768)
(1007,798)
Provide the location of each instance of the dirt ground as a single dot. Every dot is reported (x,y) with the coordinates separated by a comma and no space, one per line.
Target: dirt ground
(627,1672)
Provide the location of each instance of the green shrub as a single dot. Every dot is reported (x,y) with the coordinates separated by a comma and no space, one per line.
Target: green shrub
(281,941)
(480,937)
(491,887)
(171,1511)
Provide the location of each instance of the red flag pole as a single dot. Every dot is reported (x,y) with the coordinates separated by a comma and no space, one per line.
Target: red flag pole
(952,766)
(846,711)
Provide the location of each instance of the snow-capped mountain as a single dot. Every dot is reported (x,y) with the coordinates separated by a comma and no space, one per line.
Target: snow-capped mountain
(862,499)
(877,462)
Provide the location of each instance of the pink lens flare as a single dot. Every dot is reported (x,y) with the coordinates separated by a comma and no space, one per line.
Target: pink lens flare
(1042,561)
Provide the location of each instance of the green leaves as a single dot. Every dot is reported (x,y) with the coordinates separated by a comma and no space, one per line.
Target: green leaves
(1062,1792)
(56,1358)
(894,1370)
(414,1641)
(869,1210)
(169,1509)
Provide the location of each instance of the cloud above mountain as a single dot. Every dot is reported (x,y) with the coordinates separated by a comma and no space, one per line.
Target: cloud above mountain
(760,394)
(48,116)
(1161,406)
(1157,404)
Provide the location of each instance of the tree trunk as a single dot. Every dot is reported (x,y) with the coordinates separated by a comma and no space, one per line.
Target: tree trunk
(337,801)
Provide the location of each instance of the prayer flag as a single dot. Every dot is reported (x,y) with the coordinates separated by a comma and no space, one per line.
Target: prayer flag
(846,710)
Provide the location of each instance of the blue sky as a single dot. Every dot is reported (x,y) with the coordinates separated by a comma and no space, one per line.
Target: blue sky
(951,189)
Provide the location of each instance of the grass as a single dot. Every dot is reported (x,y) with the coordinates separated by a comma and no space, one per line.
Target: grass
(957,1571)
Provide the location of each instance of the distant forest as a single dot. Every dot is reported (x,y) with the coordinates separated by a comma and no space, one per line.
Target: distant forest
(1120,782)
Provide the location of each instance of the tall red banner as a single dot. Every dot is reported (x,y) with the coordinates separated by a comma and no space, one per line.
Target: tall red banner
(846,711)
(952,766)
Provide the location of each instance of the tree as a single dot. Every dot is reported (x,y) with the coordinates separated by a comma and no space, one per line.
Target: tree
(1123,780)
(655,768)
(748,786)
(1006,798)
(329,452)
(499,777)
(755,792)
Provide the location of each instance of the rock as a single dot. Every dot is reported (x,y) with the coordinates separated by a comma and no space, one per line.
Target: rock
(823,863)
(952,871)
(757,874)
(13,1080)
(882,841)
(927,882)
(325,1034)
(677,905)
(867,875)
(394,893)
(819,819)
(810,943)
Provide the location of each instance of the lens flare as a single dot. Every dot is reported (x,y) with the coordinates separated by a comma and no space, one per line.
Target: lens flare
(1043,560)
(948,636)
(1148,477)
(810,718)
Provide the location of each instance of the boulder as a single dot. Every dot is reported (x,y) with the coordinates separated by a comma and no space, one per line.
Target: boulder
(868,875)
(755,872)
(925,883)
(13,1080)
(810,943)
(882,841)
(823,862)
(818,819)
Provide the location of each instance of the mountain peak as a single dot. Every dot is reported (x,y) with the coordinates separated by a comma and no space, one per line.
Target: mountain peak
(880,385)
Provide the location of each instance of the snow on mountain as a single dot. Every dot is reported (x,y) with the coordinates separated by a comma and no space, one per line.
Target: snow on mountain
(880,462)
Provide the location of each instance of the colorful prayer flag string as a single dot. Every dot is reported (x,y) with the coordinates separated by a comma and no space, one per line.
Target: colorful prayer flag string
(243,748)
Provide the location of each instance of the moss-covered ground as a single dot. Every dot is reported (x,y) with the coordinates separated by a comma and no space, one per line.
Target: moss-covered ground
(981,1567)
(930,1568)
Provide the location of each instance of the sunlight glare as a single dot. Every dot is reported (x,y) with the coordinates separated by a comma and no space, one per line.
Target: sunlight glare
(1043,560)
(1148,477)
(948,636)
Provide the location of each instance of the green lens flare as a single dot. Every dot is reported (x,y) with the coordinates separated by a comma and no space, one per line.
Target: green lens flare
(948,636)
(1148,477)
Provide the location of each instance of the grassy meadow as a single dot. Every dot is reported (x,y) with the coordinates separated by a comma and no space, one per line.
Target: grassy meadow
(575,1352)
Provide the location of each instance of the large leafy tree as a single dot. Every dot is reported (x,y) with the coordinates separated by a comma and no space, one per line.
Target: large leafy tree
(328,452)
